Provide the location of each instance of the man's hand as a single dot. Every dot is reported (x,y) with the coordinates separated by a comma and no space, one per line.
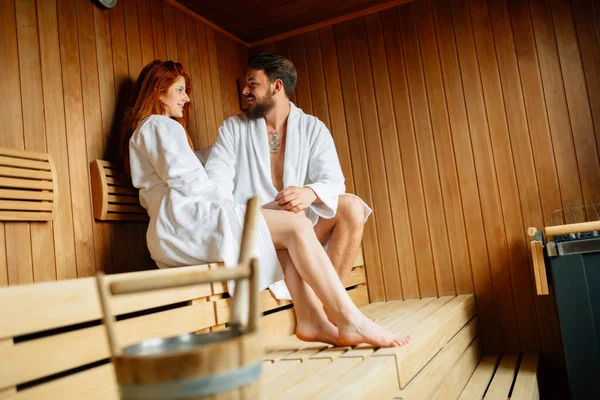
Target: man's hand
(295,199)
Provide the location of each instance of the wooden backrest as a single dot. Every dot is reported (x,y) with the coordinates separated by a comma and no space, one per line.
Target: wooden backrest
(52,343)
(28,189)
(114,197)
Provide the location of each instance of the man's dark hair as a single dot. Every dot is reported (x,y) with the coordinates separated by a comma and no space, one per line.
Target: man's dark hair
(276,67)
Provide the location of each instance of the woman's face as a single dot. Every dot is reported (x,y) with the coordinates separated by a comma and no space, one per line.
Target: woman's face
(175,98)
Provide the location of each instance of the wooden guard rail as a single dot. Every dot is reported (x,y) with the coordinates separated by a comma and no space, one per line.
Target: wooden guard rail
(114,197)
(28,189)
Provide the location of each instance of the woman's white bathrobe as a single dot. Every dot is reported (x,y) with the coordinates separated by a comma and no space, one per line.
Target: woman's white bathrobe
(189,221)
(240,163)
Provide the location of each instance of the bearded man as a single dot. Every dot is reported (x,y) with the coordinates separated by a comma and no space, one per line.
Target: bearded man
(288,159)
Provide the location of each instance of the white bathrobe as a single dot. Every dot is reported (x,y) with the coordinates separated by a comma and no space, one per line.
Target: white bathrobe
(189,221)
(240,163)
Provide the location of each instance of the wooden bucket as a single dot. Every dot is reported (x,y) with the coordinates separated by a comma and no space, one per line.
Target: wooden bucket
(216,365)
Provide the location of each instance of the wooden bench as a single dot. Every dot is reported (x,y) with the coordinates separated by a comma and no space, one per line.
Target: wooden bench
(28,188)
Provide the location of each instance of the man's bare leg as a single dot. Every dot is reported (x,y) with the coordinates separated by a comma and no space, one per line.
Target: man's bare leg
(344,232)
(294,232)
(312,324)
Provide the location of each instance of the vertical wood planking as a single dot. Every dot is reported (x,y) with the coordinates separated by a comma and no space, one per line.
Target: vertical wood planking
(527,194)
(88,65)
(444,150)
(15,236)
(170,34)
(434,208)
(400,219)
(206,91)
(558,114)
(303,87)
(359,162)
(146,30)
(333,90)
(33,238)
(376,163)
(76,141)
(282,47)
(476,240)
(486,174)
(314,64)
(215,78)
(577,100)
(227,97)
(193,70)
(421,241)
(158,30)
(543,159)
(54,117)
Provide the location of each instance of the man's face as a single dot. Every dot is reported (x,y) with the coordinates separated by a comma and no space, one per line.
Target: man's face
(259,94)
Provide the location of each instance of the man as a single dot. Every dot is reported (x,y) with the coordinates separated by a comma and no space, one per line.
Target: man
(288,159)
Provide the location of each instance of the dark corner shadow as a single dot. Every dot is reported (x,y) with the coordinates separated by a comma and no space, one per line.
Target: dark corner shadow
(125,87)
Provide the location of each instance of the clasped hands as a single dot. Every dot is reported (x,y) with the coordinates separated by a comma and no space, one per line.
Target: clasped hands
(295,199)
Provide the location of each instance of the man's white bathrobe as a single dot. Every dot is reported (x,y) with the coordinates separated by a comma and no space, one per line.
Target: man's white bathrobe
(189,221)
(240,163)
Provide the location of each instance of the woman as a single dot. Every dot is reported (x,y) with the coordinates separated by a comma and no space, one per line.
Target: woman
(191,222)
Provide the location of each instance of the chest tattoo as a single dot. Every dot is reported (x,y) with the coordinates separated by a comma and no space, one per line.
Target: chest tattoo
(274,142)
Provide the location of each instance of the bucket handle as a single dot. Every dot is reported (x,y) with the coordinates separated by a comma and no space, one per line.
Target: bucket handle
(244,310)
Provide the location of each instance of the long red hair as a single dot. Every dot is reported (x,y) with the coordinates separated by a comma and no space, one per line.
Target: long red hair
(154,80)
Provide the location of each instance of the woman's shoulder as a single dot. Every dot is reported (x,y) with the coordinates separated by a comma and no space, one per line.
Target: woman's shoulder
(159,120)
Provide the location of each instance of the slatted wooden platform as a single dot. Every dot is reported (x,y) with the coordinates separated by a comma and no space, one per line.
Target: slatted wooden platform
(437,364)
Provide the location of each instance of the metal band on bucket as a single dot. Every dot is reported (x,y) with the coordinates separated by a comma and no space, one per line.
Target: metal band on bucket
(186,388)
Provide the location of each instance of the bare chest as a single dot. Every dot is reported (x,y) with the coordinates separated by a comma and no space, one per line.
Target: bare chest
(277,152)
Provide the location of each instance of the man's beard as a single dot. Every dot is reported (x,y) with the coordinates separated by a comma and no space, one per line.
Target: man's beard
(260,109)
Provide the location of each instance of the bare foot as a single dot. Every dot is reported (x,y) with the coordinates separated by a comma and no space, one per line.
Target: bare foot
(360,329)
(318,331)
(330,318)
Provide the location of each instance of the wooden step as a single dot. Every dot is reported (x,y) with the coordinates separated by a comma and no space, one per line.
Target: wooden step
(429,337)
(496,375)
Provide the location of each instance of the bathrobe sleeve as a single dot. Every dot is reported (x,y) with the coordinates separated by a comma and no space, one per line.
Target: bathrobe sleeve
(325,175)
(166,145)
(220,165)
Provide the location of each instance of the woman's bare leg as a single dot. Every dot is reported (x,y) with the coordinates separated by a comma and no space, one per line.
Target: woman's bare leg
(312,324)
(294,232)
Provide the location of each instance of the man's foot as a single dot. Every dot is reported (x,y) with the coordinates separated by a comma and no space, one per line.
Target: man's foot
(360,329)
(318,331)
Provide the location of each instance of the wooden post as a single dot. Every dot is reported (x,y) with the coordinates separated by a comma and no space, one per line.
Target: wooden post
(239,304)
(254,296)
(107,315)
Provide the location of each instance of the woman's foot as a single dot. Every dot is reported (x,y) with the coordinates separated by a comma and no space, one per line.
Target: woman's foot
(330,318)
(360,329)
(317,331)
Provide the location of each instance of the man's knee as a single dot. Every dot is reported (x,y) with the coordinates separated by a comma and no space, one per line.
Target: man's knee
(351,210)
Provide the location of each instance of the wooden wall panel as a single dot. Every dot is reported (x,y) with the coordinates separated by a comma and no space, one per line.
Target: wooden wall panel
(69,67)
(466,121)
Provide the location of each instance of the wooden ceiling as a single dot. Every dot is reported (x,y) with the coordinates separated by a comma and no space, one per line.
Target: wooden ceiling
(255,20)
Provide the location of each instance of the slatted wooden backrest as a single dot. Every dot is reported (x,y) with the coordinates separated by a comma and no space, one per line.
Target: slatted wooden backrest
(28,189)
(114,197)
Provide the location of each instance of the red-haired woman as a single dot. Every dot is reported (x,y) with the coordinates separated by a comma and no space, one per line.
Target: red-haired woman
(191,222)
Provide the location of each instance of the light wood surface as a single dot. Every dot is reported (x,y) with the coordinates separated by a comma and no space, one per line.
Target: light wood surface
(526,384)
(552,231)
(539,268)
(481,378)
(503,378)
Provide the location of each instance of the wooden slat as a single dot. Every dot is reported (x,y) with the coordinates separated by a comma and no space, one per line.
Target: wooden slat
(278,324)
(273,387)
(117,181)
(55,304)
(359,295)
(526,385)
(503,378)
(121,208)
(22,163)
(122,190)
(26,205)
(123,199)
(26,184)
(99,382)
(480,380)
(430,337)
(425,383)
(25,195)
(460,373)
(59,353)
(25,216)
(26,155)
(126,217)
